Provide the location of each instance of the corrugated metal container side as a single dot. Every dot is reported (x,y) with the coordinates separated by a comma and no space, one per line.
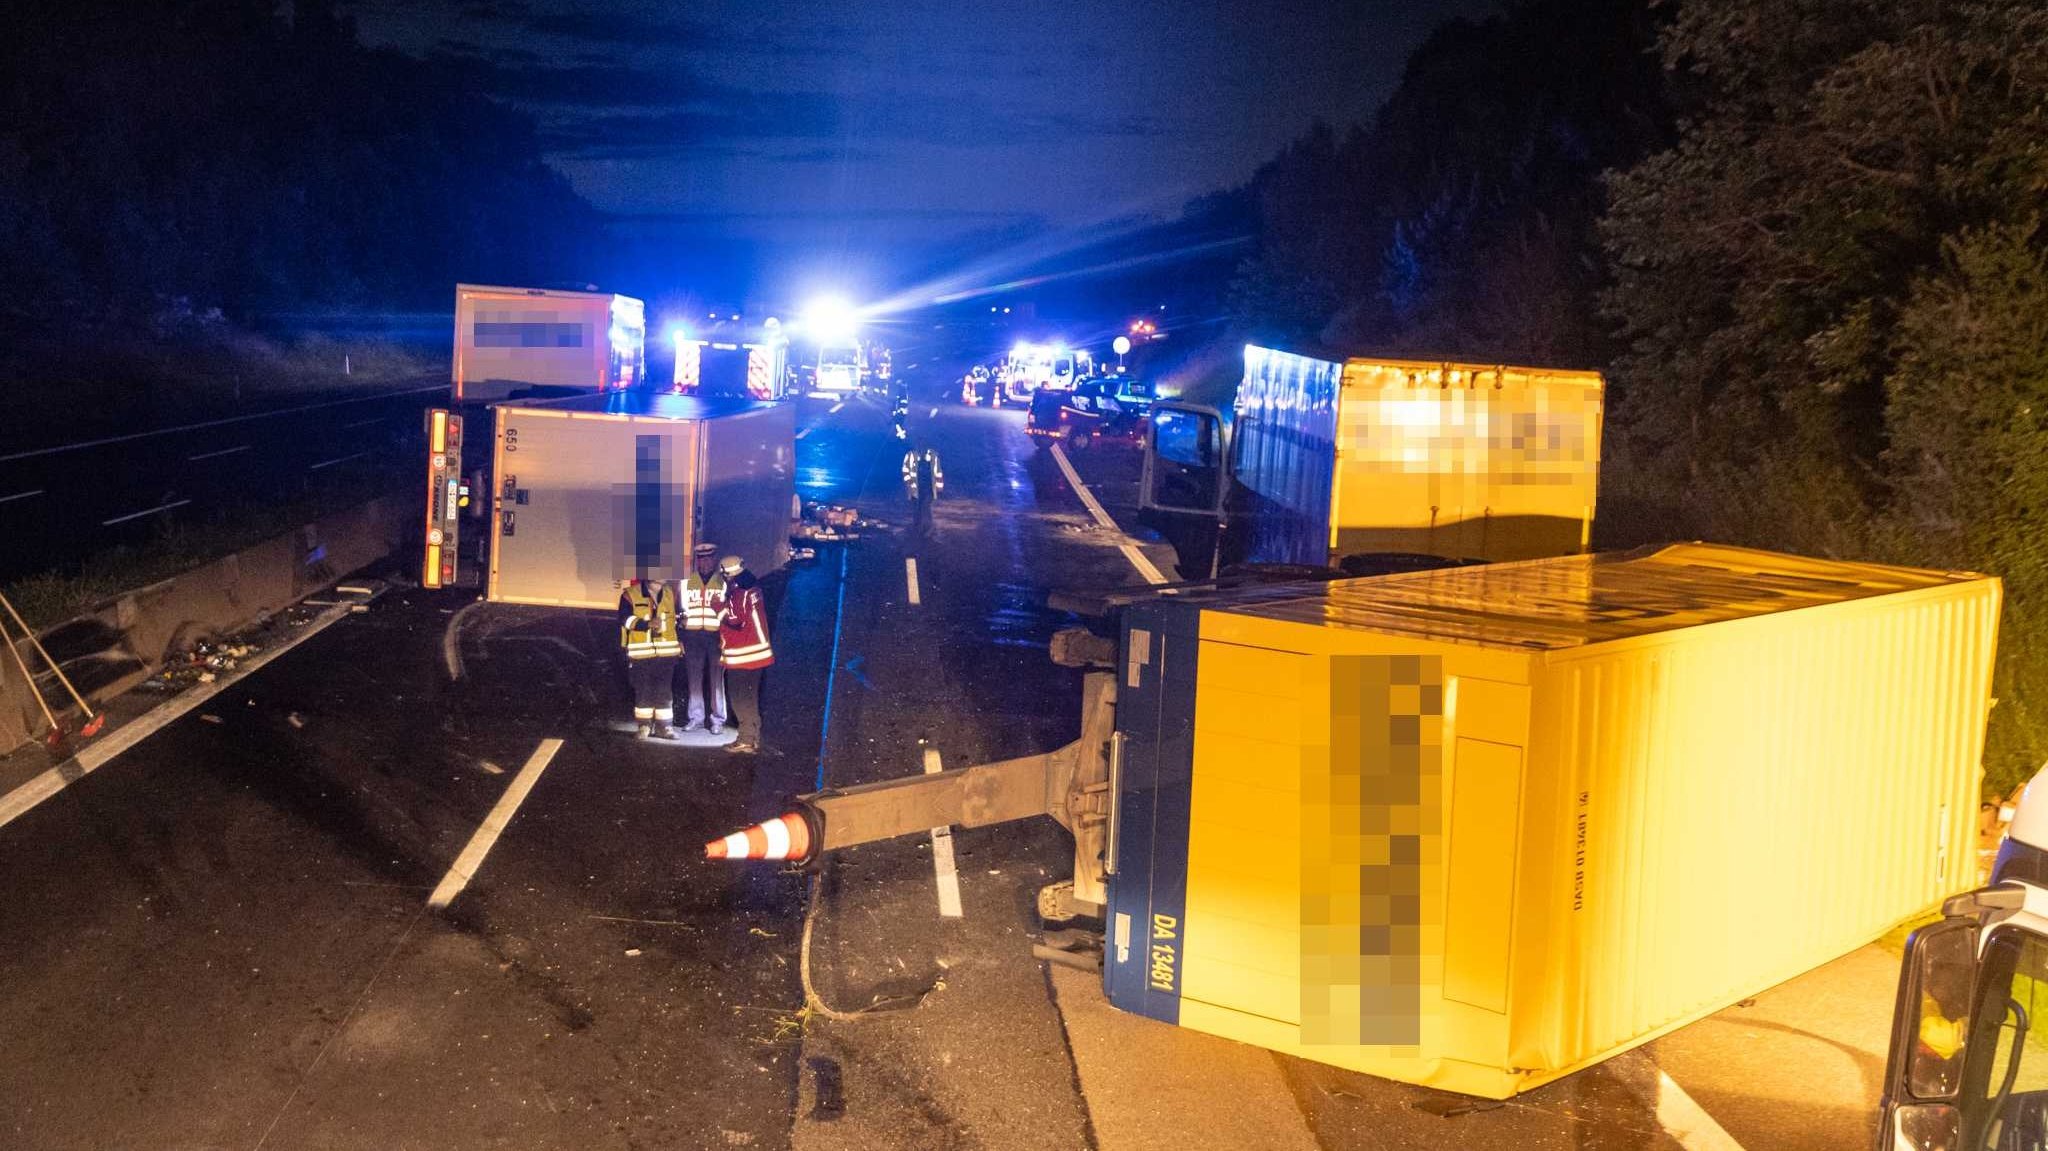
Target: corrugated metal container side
(1466,461)
(1651,785)
(1732,805)
(1285,448)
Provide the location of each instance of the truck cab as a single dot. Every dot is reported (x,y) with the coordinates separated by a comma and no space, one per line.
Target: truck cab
(1969,1051)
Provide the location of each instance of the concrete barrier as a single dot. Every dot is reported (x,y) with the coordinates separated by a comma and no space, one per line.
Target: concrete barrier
(126,639)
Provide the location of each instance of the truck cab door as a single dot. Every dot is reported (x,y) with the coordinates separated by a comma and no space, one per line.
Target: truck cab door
(1184,470)
(1969,1064)
(1185,481)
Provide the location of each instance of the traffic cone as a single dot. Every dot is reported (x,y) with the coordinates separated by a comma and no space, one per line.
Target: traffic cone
(784,837)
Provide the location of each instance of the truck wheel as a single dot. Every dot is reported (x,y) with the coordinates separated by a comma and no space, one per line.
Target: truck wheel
(1077,441)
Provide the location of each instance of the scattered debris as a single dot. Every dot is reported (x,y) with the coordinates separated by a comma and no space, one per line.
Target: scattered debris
(760,932)
(207,677)
(293,719)
(490,767)
(632,951)
(209,717)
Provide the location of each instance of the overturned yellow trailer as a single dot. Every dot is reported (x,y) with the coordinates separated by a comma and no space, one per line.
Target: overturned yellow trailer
(1480,827)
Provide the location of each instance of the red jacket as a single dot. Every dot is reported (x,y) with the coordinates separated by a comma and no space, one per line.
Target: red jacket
(743,629)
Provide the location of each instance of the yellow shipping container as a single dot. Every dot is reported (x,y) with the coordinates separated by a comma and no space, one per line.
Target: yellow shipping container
(1479,828)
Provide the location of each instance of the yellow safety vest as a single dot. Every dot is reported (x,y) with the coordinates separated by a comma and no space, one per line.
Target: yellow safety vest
(699,613)
(658,636)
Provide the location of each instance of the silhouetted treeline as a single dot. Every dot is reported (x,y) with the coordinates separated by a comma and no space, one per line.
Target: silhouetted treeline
(1804,239)
(172,158)
(1462,220)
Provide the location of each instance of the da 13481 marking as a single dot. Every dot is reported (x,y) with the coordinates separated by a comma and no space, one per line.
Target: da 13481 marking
(1165,952)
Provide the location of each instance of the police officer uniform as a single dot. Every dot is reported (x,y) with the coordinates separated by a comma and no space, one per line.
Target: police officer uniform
(703,600)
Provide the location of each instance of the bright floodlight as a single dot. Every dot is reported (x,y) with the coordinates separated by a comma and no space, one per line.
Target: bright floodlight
(678,333)
(1122,344)
(830,319)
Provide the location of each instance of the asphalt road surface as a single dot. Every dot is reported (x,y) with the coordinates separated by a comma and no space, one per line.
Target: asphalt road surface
(225,939)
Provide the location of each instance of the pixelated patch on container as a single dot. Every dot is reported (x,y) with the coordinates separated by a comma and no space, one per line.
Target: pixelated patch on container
(647,516)
(1371,851)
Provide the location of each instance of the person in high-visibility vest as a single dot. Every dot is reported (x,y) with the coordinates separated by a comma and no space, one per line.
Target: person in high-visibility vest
(746,652)
(703,600)
(647,631)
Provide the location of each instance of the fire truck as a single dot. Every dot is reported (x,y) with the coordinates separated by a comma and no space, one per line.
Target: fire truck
(732,359)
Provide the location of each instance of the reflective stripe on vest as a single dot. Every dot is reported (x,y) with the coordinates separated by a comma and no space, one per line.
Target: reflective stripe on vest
(698,592)
(757,653)
(659,610)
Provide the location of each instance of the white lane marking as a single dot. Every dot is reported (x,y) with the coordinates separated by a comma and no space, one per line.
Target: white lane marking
(943,867)
(20,496)
(340,460)
(102,752)
(910,578)
(81,446)
(365,423)
(1145,567)
(807,431)
(215,455)
(140,514)
(1678,1114)
(472,857)
(836,407)
(933,414)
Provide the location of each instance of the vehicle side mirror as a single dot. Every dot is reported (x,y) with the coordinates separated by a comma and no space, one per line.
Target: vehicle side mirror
(1926,1127)
(1930,1027)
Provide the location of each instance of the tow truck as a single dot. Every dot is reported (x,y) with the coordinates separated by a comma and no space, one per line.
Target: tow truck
(1968,1067)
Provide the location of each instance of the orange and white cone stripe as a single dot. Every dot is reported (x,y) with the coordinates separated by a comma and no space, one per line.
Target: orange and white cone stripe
(784,837)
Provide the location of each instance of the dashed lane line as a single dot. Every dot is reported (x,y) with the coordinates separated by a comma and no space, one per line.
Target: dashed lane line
(216,455)
(103,751)
(910,579)
(336,460)
(943,865)
(1145,566)
(20,496)
(1677,1113)
(472,858)
(144,512)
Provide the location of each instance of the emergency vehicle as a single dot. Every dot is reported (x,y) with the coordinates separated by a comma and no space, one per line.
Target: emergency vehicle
(732,359)
(841,368)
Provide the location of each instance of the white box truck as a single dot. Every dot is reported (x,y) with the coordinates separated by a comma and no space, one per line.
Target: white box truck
(512,342)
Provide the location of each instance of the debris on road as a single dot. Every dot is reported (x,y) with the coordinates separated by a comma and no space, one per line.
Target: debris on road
(209,717)
(632,951)
(295,720)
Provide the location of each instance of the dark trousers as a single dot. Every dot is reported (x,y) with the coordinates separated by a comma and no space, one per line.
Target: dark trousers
(743,690)
(706,678)
(654,688)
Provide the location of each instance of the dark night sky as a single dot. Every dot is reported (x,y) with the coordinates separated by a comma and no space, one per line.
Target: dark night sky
(816,136)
